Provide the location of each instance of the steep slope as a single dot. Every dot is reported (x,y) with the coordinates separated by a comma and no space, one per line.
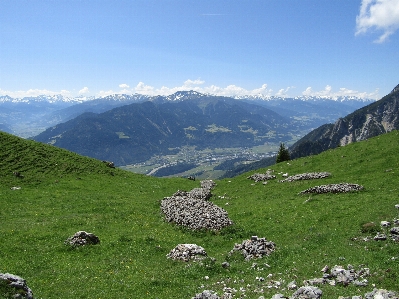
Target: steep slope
(136,132)
(27,161)
(372,120)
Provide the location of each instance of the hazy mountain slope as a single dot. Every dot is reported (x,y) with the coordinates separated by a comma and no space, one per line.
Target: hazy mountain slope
(372,120)
(312,111)
(135,132)
(98,105)
(31,115)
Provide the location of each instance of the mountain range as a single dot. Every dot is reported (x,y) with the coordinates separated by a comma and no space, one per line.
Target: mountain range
(372,120)
(29,116)
(136,132)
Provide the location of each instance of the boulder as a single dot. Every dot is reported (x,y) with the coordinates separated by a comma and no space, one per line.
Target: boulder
(17,286)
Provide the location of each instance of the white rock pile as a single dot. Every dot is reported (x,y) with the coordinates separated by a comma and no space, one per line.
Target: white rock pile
(82,238)
(193,210)
(381,294)
(333,188)
(340,275)
(307,176)
(307,292)
(393,231)
(17,287)
(254,248)
(208,184)
(260,177)
(207,294)
(187,252)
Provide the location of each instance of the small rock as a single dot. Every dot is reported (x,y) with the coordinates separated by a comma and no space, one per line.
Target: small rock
(207,294)
(380,237)
(385,223)
(308,292)
(225,265)
(82,238)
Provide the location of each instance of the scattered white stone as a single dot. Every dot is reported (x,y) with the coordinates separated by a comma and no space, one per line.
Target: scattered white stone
(305,176)
(333,188)
(187,252)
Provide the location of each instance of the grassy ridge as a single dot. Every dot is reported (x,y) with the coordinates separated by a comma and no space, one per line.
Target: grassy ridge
(62,193)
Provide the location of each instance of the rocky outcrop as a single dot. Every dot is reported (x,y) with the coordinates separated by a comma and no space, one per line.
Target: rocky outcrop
(372,120)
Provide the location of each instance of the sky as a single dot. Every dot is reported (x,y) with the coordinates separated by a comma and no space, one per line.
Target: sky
(243,47)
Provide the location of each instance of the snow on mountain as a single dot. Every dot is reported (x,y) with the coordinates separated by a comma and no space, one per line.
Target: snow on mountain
(125,97)
(176,97)
(304,98)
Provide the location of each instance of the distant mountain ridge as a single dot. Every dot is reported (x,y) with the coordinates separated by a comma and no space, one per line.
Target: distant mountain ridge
(372,120)
(177,96)
(31,115)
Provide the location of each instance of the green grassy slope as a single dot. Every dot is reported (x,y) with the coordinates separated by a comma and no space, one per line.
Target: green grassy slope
(62,193)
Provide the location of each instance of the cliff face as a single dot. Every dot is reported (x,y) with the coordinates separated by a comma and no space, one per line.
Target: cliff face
(372,120)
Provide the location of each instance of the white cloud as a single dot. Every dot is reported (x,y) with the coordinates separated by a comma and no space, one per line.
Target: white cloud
(84,90)
(104,93)
(197,85)
(378,14)
(342,92)
(283,92)
(144,89)
(123,86)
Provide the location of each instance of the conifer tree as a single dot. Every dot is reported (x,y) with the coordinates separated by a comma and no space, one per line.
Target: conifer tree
(283,154)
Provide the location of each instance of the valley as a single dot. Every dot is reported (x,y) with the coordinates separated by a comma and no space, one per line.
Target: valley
(204,160)
(206,163)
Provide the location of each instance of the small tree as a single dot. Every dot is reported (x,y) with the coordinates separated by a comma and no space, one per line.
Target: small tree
(283,154)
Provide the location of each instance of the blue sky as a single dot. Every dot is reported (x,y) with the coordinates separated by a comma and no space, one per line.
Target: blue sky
(273,47)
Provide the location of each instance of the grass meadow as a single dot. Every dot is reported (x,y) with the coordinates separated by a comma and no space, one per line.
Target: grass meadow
(62,193)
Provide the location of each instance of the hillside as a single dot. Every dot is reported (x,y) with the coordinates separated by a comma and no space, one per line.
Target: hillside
(136,132)
(62,193)
(372,120)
